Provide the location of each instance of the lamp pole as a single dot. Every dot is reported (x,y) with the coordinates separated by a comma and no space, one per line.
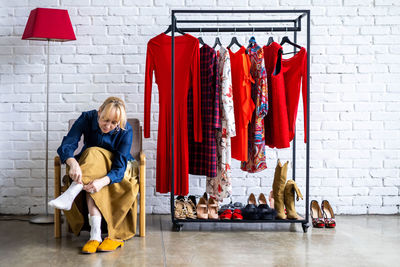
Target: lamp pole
(41,219)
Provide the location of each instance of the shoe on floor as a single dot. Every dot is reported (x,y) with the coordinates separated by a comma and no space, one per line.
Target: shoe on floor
(110,245)
(90,247)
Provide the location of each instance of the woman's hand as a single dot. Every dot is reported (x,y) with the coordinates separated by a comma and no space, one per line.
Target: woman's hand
(75,171)
(96,185)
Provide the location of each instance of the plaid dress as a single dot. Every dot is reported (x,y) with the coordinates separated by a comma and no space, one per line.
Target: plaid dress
(203,156)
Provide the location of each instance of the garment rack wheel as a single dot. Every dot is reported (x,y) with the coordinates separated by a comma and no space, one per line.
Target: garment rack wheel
(177,227)
(305,227)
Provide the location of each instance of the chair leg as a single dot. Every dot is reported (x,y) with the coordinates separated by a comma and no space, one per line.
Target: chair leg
(135,216)
(142,190)
(57,192)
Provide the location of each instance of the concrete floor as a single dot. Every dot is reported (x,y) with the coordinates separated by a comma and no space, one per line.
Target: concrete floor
(356,241)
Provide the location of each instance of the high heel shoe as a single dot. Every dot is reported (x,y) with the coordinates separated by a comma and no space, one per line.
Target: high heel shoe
(201,209)
(263,210)
(190,209)
(271,200)
(316,215)
(212,209)
(329,216)
(250,211)
(180,209)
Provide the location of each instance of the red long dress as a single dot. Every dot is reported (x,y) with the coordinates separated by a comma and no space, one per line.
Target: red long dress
(242,102)
(284,78)
(187,74)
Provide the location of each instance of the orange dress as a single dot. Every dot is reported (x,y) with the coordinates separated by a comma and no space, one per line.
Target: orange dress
(242,102)
(187,74)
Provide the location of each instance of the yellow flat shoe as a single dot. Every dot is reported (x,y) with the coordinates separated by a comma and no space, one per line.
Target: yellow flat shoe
(110,245)
(90,247)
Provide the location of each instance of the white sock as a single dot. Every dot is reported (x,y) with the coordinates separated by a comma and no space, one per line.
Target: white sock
(64,202)
(95,228)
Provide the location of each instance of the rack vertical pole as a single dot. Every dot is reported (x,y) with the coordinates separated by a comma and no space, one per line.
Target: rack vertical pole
(294,137)
(308,117)
(172,113)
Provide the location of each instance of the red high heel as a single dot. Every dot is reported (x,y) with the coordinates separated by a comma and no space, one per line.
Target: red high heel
(329,216)
(316,215)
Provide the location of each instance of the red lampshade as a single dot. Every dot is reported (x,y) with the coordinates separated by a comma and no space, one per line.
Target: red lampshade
(49,24)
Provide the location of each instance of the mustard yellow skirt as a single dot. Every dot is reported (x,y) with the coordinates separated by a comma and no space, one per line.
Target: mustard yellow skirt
(117,202)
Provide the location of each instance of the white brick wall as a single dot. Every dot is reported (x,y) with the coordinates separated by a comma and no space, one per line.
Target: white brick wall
(355,152)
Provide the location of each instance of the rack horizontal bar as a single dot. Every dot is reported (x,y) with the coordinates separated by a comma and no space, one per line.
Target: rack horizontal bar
(243,29)
(279,11)
(238,221)
(238,21)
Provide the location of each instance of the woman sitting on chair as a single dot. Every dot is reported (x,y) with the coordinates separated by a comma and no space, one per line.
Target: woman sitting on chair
(104,169)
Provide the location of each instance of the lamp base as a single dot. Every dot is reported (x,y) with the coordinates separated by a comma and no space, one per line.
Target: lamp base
(42,219)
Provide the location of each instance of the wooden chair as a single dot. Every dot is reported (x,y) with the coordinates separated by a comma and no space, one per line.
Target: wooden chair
(136,152)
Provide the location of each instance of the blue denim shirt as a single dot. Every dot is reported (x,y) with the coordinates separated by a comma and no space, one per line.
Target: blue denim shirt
(118,142)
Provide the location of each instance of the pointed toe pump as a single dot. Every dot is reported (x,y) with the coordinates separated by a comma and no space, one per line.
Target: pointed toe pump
(329,216)
(250,211)
(212,209)
(264,211)
(316,215)
(201,209)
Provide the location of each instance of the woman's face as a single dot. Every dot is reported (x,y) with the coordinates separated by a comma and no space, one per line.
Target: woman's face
(108,123)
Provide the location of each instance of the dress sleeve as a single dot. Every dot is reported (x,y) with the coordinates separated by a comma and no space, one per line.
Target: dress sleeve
(148,90)
(121,156)
(215,86)
(247,101)
(70,142)
(304,94)
(227,96)
(262,91)
(195,75)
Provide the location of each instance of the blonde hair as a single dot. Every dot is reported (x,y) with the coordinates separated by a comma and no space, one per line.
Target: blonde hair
(116,104)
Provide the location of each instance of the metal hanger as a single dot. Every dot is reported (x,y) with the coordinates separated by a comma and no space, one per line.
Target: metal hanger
(270,39)
(201,41)
(217,40)
(176,29)
(286,40)
(234,41)
(252,40)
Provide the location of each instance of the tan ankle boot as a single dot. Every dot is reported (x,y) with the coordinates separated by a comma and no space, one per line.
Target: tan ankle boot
(278,188)
(290,188)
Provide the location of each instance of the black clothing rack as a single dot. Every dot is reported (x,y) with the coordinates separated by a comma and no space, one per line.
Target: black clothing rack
(178,223)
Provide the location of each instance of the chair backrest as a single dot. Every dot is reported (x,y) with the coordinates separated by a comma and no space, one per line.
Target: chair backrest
(136,140)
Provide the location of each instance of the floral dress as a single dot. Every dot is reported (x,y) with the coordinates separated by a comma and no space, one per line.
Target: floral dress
(259,94)
(220,186)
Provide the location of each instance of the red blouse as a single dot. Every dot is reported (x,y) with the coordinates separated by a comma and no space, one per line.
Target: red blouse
(187,74)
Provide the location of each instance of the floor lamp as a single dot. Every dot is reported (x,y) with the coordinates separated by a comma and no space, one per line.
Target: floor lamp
(48,24)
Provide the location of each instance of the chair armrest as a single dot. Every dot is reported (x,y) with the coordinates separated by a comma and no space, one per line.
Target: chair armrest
(57,168)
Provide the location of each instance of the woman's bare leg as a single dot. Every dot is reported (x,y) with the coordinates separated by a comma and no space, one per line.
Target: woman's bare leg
(93,210)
